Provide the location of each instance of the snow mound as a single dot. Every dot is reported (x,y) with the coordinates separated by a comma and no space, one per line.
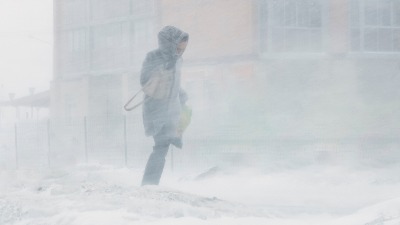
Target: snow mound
(103,196)
(384,213)
(160,202)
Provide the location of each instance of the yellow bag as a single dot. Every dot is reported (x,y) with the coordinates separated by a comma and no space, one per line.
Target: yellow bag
(186,117)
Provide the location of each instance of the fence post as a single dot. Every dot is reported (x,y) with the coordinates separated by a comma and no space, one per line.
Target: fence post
(172,158)
(86,144)
(125,143)
(16,146)
(48,144)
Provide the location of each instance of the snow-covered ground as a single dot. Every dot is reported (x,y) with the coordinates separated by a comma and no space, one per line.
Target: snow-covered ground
(104,195)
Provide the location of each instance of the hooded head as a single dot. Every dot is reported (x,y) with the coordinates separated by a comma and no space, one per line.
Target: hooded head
(168,39)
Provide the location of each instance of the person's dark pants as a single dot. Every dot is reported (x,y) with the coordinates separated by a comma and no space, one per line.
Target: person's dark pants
(156,162)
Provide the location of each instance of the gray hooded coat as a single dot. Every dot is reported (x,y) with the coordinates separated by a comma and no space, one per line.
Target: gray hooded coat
(159,113)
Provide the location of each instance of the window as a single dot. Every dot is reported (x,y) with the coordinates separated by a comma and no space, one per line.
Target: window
(292,25)
(72,12)
(143,38)
(74,49)
(77,40)
(142,32)
(142,7)
(111,36)
(375,25)
(110,45)
(107,9)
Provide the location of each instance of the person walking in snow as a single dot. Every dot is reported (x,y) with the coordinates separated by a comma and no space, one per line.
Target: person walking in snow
(164,98)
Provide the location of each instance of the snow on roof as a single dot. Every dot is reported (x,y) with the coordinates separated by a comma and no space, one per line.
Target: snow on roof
(41,99)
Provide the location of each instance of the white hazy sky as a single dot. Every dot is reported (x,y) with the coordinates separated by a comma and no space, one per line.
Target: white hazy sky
(26,46)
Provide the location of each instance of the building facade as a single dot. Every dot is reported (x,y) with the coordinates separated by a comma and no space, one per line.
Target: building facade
(98,44)
(295,69)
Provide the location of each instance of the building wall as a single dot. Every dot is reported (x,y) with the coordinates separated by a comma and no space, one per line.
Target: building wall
(98,40)
(69,98)
(245,65)
(330,92)
(217,29)
(222,48)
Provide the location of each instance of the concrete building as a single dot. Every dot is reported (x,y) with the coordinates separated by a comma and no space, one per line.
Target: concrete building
(98,44)
(290,69)
(324,69)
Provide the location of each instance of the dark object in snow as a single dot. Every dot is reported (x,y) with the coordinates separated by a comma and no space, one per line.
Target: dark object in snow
(209,173)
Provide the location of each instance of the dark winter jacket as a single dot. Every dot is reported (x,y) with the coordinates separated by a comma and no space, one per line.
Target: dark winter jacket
(164,112)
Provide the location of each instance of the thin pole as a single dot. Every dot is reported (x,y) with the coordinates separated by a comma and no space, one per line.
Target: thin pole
(48,143)
(125,143)
(86,142)
(172,158)
(16,146)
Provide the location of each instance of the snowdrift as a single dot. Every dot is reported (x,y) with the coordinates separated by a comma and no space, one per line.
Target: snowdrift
(101,195)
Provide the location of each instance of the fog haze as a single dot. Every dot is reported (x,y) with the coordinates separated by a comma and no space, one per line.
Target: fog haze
(26,38)
(295,112)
